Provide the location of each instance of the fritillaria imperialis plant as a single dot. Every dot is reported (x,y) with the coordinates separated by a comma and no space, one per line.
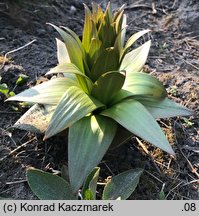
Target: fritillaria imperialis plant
(103,92)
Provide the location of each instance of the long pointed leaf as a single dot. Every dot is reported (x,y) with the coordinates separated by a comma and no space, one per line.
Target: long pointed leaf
(132,115)
(62,53)
(86,37)
(49,92)
(123,35)
(74,105)
(73,48)
(108,85)
(107,61)
(47,186)
(89,140)
(106,30)
(91,184)
(118,23)
(165,108)
(122,186)
(36,119)
(134,37)
(66,68)
(140,85)
(75,36)
(136,59)
(94,51)
(84,81)
(144,84)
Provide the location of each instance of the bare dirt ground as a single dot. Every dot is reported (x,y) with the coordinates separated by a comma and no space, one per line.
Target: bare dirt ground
(174,59)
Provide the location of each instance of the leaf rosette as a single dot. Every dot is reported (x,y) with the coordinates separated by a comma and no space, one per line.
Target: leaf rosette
(103,87)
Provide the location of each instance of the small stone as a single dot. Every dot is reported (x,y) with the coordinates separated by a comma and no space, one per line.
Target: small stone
(73,9)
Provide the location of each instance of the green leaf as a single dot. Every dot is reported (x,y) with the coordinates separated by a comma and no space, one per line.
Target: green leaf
(132,115)
(87,36)
(108,85)
(118,22)
(62,53)
(94,51)
(165,108)
(74,105)
(106,29)
(75,36)
(162,195)
(106,35)
(108,13)
(95,11)
(136,59)
(144,84)
(4,89)
(47,186)
(36,119)
(122,186)
(118,12)
(90,185)
(88,195)
(124,25)
(21,79)
(66,68)
(133,38)
(11,94)
(71,68)
(107,61)
(140,84)
(48,92)
(73,48)
(89,140)
(118,46)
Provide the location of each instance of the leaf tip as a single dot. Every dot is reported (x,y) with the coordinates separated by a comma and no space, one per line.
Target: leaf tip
(30,168)
(45,138)
(10,99)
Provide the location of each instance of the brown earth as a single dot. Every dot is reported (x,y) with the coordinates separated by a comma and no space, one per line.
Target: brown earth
(174,59)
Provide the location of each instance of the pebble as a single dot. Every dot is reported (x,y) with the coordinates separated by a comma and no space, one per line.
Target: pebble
(73,9)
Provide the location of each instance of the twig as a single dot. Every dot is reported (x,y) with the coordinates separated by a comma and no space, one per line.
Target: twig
(193,170)
(101,183)
(191,182)
(173,189)
(15,50)
(132,6)
(174,4)
(16,182)
(197,68)
(7,112)
(149,154)
(154,11)
(7,133)
(154,176)
(194,149)
(167,126)
(108,168)
(191,64)
(16,149)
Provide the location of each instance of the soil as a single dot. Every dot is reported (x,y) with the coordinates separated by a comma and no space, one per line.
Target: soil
(174,59)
